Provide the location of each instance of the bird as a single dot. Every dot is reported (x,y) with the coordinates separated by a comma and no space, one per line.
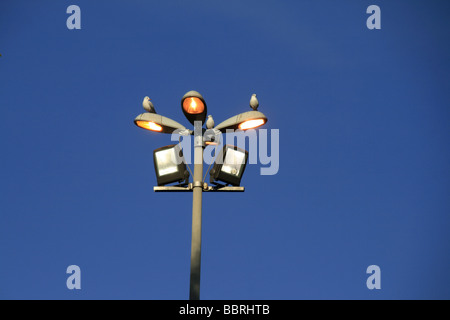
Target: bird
(148,105)
(254,103)
(210,122)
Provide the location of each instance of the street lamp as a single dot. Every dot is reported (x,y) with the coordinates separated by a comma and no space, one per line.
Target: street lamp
(170,167)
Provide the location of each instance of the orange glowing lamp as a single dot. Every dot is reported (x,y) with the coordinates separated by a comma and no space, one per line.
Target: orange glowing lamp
(194,107)
(251,124)
(243,121)
(157,123)
(149,125)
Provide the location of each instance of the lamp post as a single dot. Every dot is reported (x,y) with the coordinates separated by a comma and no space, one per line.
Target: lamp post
(197,190)
(194,108)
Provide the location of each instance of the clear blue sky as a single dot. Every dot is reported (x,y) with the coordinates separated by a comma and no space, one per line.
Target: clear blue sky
(364,149)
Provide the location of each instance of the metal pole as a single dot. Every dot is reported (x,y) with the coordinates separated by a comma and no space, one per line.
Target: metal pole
(194,292)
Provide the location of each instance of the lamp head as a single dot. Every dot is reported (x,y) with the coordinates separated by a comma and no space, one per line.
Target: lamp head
(169,165)
(194,107)
(157,123)
(243,121)
(229,165)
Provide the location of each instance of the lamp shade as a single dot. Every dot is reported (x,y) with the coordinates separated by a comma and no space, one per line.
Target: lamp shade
(169,165)
(229,165)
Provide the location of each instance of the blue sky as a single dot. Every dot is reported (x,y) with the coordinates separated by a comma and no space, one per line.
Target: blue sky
(363,117)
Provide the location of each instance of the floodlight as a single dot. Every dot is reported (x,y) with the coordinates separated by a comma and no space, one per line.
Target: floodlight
(169,165)
(194,107)
(229,165)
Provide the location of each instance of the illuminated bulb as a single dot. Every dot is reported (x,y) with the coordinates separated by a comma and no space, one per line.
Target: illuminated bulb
(149,125)
(193,105)
(250,124)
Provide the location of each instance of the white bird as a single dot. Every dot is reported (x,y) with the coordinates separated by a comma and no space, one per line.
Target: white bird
(148,105)
(210,122)
(254,103)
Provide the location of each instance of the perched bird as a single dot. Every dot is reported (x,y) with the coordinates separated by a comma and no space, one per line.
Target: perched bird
(210,122)
(148,105)
(254,104)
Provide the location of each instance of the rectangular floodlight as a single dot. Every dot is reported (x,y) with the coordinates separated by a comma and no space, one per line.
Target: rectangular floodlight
(229,165)
(169,165)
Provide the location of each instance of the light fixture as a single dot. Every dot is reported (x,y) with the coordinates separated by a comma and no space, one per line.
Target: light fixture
(212,137)
(157,123)
(194,107)
(149,125)
(251,124)
(243,121)
(229,165)
(169,165)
